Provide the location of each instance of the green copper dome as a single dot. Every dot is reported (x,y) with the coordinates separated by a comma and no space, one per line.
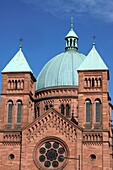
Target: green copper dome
(61,70)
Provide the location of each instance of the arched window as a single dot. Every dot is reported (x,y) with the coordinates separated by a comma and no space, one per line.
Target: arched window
(93,82)
(19,111)
(86,82)
(67,110)
(12,84)
(9,84)
(89,82)
(88,111)
(16,84)
(96,82)
(100,82)
(22,84)
(46,107)
(10,109)
(38,109)
(62,109)
(98,110)
(51,105)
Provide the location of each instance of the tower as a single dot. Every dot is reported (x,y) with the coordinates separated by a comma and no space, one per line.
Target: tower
(95,109)
(18,91)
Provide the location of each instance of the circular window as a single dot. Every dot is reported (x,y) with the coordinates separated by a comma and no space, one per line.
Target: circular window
(50,154)
(42,150)
(11,156)
(55,145)
(48,145)
(93,157)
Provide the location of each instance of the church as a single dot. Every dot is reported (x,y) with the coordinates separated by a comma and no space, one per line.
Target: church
(60,120)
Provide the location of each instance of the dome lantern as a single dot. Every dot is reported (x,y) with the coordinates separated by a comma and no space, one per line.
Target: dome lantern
(71,38)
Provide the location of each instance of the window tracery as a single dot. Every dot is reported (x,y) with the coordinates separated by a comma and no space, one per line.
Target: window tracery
(50,154)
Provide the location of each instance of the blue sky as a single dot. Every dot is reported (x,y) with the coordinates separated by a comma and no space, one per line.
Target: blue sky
(43,24)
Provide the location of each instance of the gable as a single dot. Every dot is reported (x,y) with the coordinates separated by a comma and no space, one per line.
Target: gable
(51,119)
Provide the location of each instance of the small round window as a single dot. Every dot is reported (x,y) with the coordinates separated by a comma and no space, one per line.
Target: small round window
(11,156)
(93,157)
(50,154)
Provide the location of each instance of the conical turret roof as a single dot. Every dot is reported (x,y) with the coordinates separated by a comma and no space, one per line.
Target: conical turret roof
(71,33)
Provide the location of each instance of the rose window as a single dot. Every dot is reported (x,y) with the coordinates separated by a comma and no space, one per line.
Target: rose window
(51,154)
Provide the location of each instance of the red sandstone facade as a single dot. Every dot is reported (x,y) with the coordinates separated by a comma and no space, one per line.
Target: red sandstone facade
(45,138)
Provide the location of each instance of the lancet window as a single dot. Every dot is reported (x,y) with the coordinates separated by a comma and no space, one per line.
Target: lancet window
(38,109)
(98,110)
(48,106)
(62,109)
(19,111)
(10,109)
(88,111)
(67,110)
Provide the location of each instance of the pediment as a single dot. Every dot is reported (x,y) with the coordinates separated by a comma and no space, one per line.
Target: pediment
(53,119)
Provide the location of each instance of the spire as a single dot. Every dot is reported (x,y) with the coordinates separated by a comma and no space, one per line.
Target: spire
(71,38)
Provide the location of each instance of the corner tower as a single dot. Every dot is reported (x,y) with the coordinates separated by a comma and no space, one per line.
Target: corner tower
(95,111)
(93,92)
(18,90)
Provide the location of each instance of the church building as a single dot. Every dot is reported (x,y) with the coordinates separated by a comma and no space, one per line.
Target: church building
(61,120)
